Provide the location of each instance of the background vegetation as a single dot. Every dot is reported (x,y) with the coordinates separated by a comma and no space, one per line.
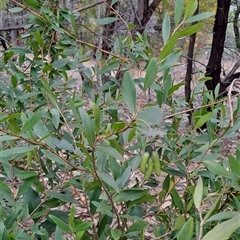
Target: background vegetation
(92,150)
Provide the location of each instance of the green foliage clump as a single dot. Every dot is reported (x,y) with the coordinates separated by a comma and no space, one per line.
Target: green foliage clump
(83,161)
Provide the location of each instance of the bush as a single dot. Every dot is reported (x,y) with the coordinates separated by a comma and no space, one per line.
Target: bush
(104,163)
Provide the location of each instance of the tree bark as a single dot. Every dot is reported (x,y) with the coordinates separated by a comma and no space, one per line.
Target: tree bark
(235,27)
(188,78)
(144,14)
(219,32)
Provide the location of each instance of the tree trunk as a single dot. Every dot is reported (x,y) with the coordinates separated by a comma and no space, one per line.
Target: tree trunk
(219,32)
(143,14)
(235,27)
(108,30)
(188,78)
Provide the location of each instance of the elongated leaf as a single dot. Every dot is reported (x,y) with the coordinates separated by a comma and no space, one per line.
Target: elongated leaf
(178,12)
(189,30)
(53,157)
(107,20)
(88,126)
(151,115)
(213,207)
(33,3)
(17,150)
(216,168)
(223,230)
(223,216)
(234,165)
(32,121)
(186,232)
(110,151)
(190,8)
(198,193)
(203,120)
(109,180)
(129,92)
(63,197)
(60,63)
(116,233)
(167,49)
(130,195)
(60,223)
(151,73)
(199,17)
(166,27)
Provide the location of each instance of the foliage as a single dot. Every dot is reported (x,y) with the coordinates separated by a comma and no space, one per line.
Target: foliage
(85,164)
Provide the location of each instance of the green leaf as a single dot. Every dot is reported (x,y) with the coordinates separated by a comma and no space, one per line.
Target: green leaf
(15,9)
(26,174)
(151,115)
(199,17)
(203,119)
(60,63)
(190,8)
(186,232)
(104,208)
(166,27)
(216,168)
(49,92)
(167,49)
(151,73)
(116,233)
(189,30)
(97,114)
(39,38)
(53,157)
(9,221)
(110,151)
(224,230)
(223,216)
(58,235)
(88,126)
(33,120)
(63,197)
(74,25)
(33,3)
(109,180)
(234,165)
(55,117)
(104,21)
(83,226)
(130,195)
(129,92)
(213,207)
(61,224)
(198,193)
(178,12)
(17,150)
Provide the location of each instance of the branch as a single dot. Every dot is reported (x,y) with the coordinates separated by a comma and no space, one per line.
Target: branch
(228,80)
(10,28)
(88,6)
(233,70)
